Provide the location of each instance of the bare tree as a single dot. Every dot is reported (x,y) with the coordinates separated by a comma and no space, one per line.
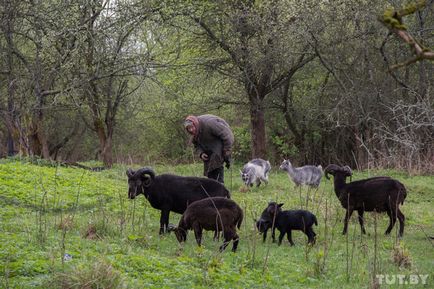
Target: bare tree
(113,64)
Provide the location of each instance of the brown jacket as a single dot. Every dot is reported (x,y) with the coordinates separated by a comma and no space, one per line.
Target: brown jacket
(215,138)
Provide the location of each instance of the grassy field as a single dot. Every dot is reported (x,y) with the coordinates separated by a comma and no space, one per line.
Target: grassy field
(72,228)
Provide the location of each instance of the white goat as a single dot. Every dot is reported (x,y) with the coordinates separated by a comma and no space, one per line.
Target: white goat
(255,171)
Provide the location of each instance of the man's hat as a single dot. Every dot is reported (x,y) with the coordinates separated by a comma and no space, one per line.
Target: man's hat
(191,120)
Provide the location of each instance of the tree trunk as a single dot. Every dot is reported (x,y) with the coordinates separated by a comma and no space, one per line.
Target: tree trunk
(257,121)
(105,144)
(10,114)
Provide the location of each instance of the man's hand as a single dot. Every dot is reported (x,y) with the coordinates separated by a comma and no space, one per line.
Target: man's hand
(204,156)
(228,161)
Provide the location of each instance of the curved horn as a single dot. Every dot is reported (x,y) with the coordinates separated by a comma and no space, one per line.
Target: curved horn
(144,171)
(348,169)
(332,168)
(130,173)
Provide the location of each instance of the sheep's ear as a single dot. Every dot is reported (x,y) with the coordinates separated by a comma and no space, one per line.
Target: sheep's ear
(147,181)
(280,205)
(130,173)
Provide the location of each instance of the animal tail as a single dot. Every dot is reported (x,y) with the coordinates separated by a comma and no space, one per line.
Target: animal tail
(315,220)
(403,191)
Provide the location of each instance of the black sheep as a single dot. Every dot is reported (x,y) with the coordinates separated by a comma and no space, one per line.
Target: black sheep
(380,194)
(212,214)
(171,193)
(286,221)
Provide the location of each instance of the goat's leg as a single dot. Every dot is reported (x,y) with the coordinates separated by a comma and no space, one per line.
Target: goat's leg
(362,226)
(266,179)
(392,218)
(164,221)
(347,218)
(314,193)
(307,197)
(301,199)
(401,219)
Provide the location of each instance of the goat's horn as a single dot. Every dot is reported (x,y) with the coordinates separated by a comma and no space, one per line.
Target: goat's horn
(145,170)
(331,169)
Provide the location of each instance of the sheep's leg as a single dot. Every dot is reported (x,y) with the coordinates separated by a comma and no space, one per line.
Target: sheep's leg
(164,221)
(307,197)
(347,218)
(362,226)
(273,235)
(197,234)
(265,236)
(310,235)
(236,239)
(228,236)
(289,237)
(258,182)
(282,234)
(216,235)
(401,219)
(392,218)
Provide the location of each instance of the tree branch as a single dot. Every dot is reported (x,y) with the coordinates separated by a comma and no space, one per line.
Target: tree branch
(392,19)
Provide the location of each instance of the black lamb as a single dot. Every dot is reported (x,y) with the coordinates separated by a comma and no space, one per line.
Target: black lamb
(212,214)
(168,192)
(285,222)
(380,194)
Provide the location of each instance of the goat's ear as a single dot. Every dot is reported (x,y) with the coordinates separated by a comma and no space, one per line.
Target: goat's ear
(280,205)
(130,173)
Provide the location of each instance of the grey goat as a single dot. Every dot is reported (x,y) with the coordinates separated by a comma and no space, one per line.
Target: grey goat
(306,175)
(255,171)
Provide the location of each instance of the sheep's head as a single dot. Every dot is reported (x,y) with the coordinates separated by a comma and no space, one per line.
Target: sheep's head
(181,234)
(267,216)
(274,208)
(180,231)
(333,169)
(138,180)
(286,164)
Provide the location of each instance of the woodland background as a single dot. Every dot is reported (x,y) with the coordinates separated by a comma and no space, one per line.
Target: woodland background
(310,81)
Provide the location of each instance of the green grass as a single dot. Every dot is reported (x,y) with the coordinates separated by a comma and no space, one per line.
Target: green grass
(47,211)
